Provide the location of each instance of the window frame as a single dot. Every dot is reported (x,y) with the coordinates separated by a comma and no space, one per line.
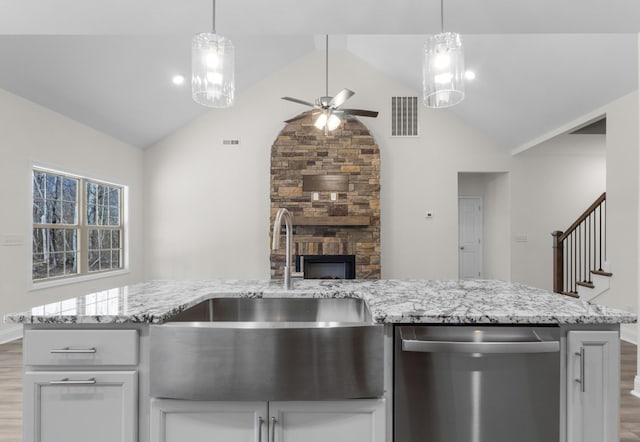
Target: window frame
(82,227)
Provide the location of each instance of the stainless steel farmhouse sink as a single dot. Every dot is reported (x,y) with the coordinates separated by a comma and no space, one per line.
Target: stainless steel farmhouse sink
(268,349)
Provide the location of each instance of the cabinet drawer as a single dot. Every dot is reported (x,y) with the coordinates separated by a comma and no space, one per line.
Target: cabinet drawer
(80,347)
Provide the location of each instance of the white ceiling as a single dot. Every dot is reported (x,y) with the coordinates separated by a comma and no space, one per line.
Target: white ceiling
(539,64)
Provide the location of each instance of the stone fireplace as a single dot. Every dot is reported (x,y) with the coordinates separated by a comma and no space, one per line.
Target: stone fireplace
(331,185)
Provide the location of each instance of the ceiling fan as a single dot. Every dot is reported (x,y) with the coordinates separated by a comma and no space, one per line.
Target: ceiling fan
(328,108)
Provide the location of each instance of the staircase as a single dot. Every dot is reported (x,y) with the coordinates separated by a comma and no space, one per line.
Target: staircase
(580,254)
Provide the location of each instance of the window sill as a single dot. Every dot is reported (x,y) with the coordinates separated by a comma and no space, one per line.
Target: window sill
(75,279)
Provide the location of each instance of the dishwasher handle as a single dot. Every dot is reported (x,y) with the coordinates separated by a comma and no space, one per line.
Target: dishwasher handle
(412,345)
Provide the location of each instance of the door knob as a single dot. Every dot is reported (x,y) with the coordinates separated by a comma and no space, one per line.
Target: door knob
(461,247)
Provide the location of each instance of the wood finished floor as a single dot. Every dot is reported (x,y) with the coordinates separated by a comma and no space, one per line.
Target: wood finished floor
(11,393)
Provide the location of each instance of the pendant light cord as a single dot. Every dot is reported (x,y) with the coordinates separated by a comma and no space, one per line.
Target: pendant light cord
(213,16)
(441,16)
(326,73)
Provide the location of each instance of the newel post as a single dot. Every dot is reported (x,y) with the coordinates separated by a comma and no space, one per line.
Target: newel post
(558,260)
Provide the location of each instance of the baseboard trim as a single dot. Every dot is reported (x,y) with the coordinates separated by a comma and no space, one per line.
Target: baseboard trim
(629,333)
(10,334)
(636,387)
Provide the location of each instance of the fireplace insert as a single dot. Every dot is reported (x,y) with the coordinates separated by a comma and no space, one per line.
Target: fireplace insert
(326,266)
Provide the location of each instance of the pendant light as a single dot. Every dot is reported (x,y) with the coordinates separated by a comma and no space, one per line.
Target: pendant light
(443,68)
(212,68)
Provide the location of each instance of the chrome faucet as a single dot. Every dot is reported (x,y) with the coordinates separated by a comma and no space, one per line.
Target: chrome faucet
(275,242)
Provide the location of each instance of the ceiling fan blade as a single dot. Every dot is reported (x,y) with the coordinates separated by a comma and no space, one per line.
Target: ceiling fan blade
(298,117)
(340,98)
(360,112)
(295,100)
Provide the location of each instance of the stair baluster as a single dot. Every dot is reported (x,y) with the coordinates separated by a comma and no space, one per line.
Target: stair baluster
(579,252)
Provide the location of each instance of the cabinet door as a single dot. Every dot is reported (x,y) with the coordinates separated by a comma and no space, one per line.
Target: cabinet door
(78,406)
(196,421)
(327,421)
(593,372)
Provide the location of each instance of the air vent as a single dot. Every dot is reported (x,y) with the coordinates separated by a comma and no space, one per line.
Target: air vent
(231,142)
(404,116)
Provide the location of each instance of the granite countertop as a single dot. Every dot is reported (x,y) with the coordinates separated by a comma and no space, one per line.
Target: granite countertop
(390,301)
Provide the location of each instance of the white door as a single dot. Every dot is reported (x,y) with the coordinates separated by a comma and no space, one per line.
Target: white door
(80,406)
(469,237)
(593,371)
(201,421)
(327,421)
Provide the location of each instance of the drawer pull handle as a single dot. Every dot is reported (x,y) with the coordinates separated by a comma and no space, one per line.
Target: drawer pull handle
(68,350)
(67,381)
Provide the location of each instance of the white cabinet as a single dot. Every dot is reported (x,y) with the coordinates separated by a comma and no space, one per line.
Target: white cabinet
(335,421)
(80,385)
(195,421)
(76,406)
(593,372)
(327,421)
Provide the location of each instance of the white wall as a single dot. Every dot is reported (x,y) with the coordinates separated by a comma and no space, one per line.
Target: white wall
(622,202)
(552,184)
(209,204)
(494,190)
(32,134)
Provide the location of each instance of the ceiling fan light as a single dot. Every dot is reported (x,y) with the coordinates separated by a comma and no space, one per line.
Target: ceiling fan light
(321,121)
(443,70)
(212,70)
(333,122)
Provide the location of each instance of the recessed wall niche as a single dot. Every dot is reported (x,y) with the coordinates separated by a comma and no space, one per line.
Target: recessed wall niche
(331,185)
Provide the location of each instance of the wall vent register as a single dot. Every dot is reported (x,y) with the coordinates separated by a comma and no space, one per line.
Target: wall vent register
(404,116)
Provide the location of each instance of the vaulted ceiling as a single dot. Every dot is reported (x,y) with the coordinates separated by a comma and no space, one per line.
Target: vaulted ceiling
(108,64)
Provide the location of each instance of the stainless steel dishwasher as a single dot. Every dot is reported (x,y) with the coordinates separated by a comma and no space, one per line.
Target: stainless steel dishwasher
(476,384)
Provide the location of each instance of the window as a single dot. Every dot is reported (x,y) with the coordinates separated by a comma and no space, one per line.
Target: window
(77,226)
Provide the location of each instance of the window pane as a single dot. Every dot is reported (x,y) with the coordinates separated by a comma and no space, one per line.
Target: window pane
(69,190)
(91,214)
(53,212)
(104,239)
(38,241)
(71,240)
(39,267)
(70,263)
(53,187)
(115,239)
(114,216)
(94,261)
(56,264)
(69,213)
(114,197)
(93,240)
(91,193)
(38,211)
(105,260)
(115,259)
(38,185)
(103,216)
(101,195)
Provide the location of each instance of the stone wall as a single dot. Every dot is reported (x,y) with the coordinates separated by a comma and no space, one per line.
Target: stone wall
(301,149)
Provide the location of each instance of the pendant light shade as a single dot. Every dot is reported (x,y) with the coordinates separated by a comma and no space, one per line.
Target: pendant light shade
(443,70)
(212,69)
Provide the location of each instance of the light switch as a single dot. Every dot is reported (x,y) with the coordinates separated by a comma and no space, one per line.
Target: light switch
(12,240)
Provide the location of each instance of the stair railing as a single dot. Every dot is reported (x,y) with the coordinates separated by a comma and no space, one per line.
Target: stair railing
(580,251)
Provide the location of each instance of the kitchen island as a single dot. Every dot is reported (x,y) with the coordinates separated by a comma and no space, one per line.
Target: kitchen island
(117,322)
